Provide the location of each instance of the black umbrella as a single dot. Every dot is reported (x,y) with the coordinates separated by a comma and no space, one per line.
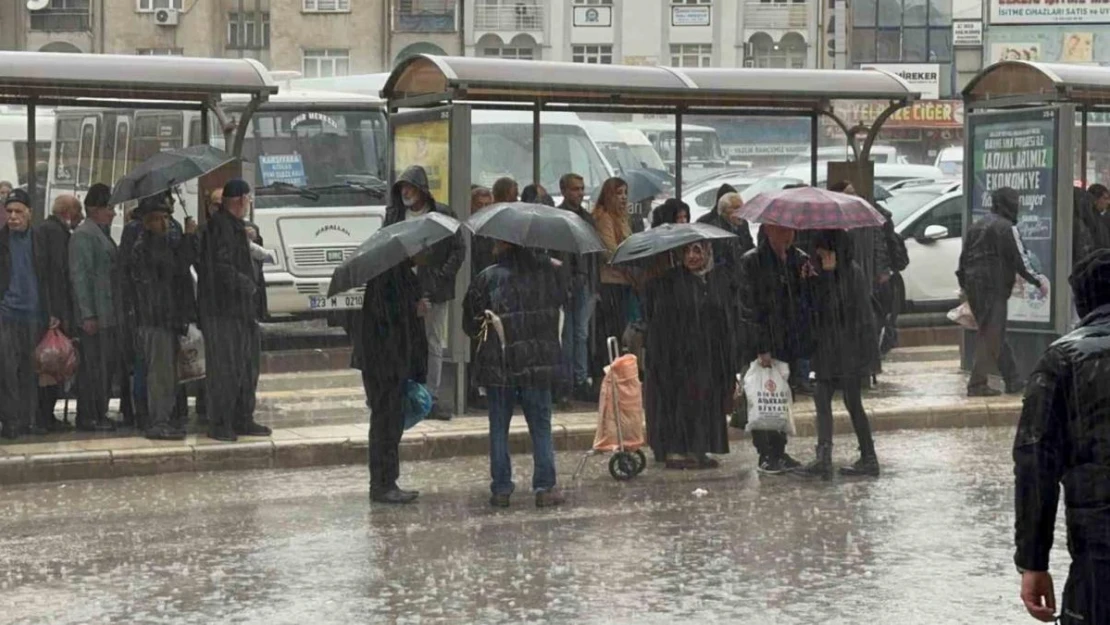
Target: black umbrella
(650,243)
(643,184)
(164,170)
(538,226)
(389,247)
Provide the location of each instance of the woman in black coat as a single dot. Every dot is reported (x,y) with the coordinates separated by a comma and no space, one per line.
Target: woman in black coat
(394,349)
(844,332)
(690,358)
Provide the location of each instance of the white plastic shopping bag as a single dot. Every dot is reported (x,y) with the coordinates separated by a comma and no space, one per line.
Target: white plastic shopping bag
(963,316)
(190,356)
(770,400)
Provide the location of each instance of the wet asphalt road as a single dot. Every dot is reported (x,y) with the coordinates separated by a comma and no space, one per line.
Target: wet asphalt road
(927,543)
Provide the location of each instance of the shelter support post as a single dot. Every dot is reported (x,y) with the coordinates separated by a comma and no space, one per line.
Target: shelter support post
(848,134)
(873,134)
(536,143)
(32,156)
(813,150)
(1083,147)
(227,126)
(205,131)
(241,127)
(678,153)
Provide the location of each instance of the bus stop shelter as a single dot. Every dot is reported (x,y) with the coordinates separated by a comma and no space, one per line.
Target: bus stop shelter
(34,79)
(1026,128)
(430,99)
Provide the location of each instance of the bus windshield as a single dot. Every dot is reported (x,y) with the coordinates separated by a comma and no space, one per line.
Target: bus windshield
(646,156)
(619,156)
(319,150)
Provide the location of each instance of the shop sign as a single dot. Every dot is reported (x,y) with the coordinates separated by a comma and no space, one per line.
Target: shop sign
(922,77)
(920,114)
(967,34)
(690,16)
(1049,12)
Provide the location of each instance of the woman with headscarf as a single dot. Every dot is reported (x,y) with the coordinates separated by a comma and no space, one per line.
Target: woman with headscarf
(843,328)
(692,363)
(613,226)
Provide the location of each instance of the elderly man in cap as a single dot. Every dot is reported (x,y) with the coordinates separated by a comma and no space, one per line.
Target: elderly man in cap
(92,271)
(158,292)
(229,296)
(56,231)
(27,305)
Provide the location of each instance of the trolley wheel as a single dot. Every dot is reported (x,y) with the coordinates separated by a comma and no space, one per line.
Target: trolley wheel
(641,461)
(622,466)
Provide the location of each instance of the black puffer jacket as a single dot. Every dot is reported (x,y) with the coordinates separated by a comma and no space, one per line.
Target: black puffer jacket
(525,291)
(845,337)
(991,260)
(774,304)
(437,277)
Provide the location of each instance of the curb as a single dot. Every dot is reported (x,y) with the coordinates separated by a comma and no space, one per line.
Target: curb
(319,452)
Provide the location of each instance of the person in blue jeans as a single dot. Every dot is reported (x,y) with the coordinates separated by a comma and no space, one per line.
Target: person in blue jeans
(582,273)
(512,309)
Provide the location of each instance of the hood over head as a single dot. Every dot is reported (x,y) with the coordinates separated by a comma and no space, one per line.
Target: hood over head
(1090,282)
(417,177)
(1006,202)
(725,188)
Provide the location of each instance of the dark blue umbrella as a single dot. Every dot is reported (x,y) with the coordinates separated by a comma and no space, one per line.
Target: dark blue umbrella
(165,170)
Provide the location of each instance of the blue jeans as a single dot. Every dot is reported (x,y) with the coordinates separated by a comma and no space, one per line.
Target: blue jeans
(576,334)
(537,411)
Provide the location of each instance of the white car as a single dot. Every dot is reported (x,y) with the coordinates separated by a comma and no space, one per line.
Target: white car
(930,220)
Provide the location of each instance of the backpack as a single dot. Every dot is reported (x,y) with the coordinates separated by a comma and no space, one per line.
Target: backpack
(896,249)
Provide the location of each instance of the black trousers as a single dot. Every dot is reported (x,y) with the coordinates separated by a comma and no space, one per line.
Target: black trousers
(853,401)
(232,354)
(991,348)
(770,444)
(48,400)
(100,364)
(387,424)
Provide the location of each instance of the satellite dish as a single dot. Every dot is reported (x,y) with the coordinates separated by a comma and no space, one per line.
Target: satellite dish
(37,5)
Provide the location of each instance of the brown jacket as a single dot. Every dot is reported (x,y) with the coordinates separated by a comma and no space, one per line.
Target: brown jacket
(613,230)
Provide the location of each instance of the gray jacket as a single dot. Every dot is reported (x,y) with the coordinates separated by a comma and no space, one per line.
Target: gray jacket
(92,269)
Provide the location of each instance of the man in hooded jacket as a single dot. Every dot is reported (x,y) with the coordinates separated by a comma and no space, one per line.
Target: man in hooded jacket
(411,197)
(989,264)
(1063,437)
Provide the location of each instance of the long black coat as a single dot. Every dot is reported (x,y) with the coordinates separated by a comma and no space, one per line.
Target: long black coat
(158,289)
(391,336)
(525,291)
(437,276)
(774,304)
(691,364)
(846,341)
(228,283)
(55,235)
(1063,438)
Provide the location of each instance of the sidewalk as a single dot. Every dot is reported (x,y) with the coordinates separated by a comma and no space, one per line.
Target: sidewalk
(921,388)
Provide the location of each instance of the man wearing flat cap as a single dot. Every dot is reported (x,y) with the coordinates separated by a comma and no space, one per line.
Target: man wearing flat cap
(229,293)
(28,305)
(92,270)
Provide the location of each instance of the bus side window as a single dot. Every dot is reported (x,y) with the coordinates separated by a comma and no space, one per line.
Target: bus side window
(120,165)
(86,153)
(68,144)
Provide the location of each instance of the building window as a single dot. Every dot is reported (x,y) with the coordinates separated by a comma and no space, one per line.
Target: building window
(691,55)
(593,2)
(146,6)
(691,1)
(245,34)
(901,31)
(326,6)
(160,51)
(602,55)
(326,63)
(526,54)
(424,16)
(787,53)
(62,16)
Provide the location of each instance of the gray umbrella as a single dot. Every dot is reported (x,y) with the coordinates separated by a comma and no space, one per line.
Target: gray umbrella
(389,247)
(536,226)
(650,243)
(164,170)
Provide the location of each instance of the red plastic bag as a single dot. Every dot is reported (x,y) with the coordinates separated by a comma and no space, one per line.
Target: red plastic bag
(55,357)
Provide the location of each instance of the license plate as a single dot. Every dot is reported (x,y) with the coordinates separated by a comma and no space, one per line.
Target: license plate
(335,302)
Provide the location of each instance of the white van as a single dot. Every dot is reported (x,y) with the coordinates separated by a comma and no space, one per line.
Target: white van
(13,143)
(642,149)
(607,137)
(501,145)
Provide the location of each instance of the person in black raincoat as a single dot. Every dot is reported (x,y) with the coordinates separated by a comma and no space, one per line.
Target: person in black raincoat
(1063,438)
(691,361)
(843,329)
(393,338)
(989,264)
(512,307)
(1089,233)
(159,300)
(412,197)
(775,320)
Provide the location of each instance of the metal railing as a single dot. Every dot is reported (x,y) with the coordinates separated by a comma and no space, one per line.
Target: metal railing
(61,20)
(777,15)
(509,16)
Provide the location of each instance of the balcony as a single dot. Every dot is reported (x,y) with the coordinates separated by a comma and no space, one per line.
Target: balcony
(425,16)
(509,16)
(777,15)
(61,21)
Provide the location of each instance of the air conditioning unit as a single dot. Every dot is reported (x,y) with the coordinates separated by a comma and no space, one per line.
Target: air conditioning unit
(166,17)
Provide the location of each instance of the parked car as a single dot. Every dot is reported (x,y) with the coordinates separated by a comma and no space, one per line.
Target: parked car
(930,220)
(879,154)
(885,174)
(951,160)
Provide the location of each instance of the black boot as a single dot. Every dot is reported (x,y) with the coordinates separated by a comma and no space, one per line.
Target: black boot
(866,466)
(822,466)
